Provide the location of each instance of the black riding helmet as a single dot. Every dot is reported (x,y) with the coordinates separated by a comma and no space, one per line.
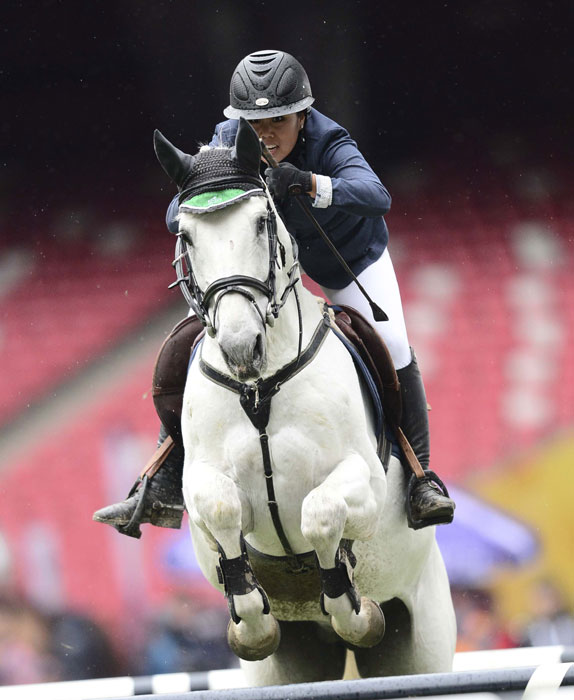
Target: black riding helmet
(268,84)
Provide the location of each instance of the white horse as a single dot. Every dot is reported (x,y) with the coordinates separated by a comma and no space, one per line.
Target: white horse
(283,482)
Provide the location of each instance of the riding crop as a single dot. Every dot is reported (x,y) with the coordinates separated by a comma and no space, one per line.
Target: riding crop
(378,313)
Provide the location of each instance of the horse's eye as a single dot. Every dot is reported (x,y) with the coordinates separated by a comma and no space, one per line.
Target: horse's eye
(261,225)
(186,237)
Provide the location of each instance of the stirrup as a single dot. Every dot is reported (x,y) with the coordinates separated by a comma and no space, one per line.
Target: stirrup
(132,529)
(418,523)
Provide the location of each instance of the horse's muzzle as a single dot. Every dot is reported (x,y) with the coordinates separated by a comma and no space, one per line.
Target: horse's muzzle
(245,356)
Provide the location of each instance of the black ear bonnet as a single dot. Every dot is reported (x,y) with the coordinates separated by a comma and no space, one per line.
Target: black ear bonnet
(229,174)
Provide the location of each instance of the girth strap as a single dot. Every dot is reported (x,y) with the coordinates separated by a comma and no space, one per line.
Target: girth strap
(255,400)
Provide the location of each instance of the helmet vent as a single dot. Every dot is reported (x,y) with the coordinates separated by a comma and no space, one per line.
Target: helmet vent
(238,88)
(287,83)
(262,55)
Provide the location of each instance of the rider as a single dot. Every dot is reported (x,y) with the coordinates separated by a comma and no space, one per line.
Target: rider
(271,90)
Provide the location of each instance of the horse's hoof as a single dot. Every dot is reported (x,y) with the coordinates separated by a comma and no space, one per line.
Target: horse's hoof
(373,628)
(376,623)
(265,647)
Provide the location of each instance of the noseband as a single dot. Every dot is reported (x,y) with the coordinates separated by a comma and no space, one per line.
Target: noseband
(199,300)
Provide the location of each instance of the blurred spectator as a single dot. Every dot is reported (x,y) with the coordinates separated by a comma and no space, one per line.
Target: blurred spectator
(551,621)
(478,622)
(25,649)
(40,648)
(188,636)
(6,567)
(81,648)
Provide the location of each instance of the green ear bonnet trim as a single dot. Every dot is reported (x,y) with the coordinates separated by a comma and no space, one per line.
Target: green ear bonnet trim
(210,201)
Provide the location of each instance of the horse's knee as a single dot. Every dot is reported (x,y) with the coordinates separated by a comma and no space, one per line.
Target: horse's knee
(217,508)
(323,518)
(219,513)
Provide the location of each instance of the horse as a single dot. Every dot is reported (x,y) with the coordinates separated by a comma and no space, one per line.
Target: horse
(295,511)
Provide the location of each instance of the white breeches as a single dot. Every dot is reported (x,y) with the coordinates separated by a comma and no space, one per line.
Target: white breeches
(381,284)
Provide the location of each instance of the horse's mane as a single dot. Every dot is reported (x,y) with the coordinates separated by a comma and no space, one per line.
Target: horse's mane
(206,147)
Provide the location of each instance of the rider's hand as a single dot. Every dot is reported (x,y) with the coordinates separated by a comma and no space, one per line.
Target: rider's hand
(287,179)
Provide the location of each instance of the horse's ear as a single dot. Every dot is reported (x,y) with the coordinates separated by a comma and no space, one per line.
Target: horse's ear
(247,150)
(176,163)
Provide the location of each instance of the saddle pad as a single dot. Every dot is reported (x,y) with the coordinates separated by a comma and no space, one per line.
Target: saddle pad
(367,380)
(375,368)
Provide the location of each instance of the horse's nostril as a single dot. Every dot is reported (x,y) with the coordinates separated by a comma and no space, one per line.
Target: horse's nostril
(258,349)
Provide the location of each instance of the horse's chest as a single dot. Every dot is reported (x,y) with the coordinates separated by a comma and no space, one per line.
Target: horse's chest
(296,459)
(302,403)
(306,435)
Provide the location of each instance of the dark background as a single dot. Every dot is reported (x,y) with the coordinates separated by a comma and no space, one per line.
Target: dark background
(469,84)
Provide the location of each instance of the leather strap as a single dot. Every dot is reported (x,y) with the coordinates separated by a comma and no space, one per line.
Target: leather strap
(408,452)
(158,458)
(263,390)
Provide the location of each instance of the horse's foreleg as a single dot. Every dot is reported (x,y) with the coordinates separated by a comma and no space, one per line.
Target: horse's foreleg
(345,506)
(217,506)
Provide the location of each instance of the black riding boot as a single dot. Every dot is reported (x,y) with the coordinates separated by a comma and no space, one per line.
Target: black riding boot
(428,500)
(157,499)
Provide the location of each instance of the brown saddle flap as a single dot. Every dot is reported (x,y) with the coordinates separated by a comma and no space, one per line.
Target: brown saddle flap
(376,356)
(170,373)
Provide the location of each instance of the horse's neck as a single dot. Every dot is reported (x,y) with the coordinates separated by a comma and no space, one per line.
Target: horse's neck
(283,337)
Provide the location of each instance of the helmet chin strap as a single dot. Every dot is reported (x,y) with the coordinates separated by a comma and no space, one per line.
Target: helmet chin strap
(378,313)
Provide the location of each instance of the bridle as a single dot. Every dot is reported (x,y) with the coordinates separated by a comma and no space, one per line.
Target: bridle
(199,299)
(255,397)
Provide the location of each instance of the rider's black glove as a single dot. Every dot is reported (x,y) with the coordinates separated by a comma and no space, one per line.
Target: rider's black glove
(287,179)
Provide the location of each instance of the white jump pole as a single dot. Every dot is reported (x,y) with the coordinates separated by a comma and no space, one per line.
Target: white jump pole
(225,679)
(464,685)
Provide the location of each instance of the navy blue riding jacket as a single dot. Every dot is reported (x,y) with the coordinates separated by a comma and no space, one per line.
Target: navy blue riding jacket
(354,220)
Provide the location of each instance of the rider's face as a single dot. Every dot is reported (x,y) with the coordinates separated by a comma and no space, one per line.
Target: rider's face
(279,134)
